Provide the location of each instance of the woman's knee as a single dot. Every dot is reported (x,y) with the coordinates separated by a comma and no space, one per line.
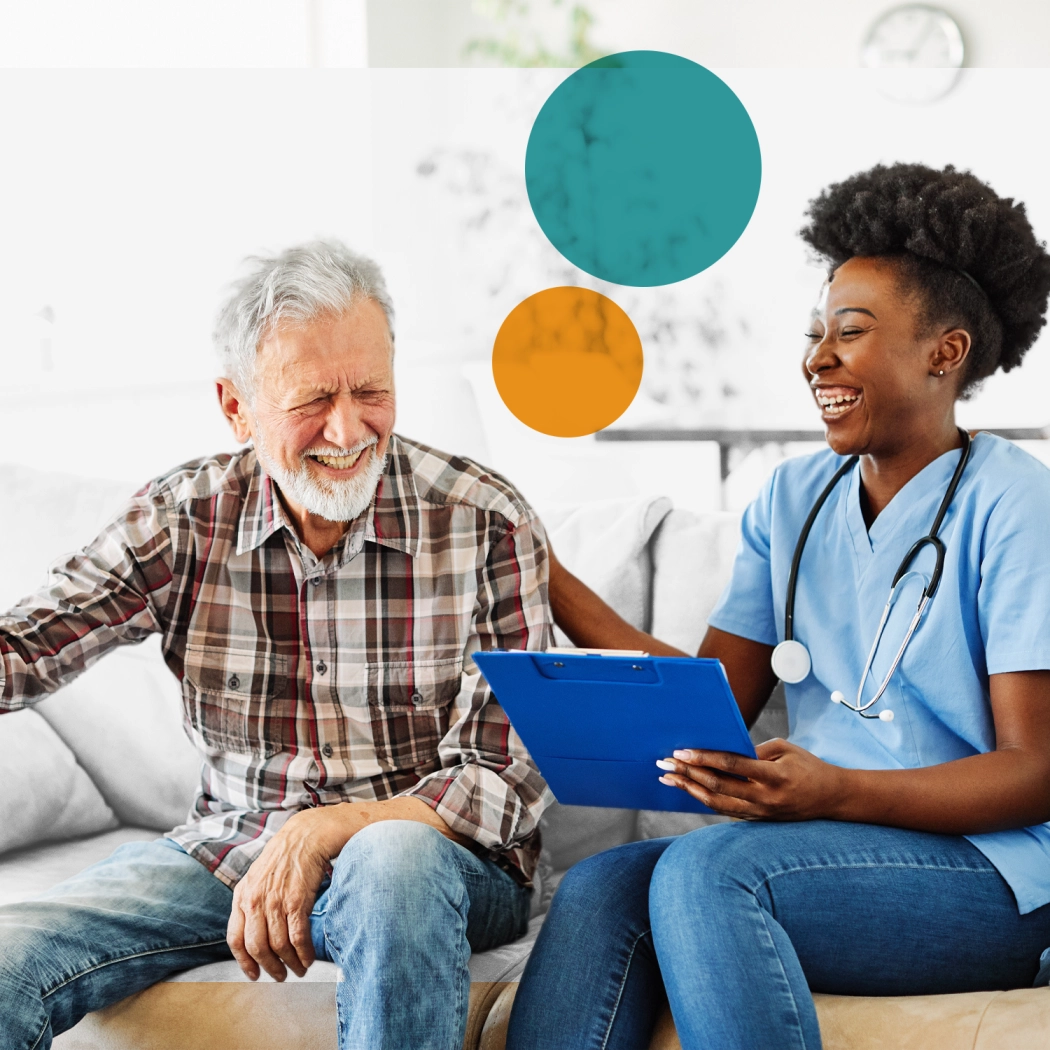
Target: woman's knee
(704,864)
(615,881)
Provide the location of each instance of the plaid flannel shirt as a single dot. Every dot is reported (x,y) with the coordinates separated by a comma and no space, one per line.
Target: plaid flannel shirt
(309,681)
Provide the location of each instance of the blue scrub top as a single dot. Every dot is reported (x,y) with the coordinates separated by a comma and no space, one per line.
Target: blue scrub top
(990,615)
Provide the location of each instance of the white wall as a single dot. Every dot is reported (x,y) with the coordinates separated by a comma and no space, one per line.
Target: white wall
(129,196)
(182,34)
(136,193)
(716,33)
(127,200)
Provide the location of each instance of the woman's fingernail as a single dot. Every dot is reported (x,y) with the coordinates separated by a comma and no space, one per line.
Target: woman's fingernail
(681,754)
(668,781)
(665,763)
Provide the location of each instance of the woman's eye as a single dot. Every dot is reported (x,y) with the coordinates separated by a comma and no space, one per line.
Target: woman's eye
(852,331)
(813,336)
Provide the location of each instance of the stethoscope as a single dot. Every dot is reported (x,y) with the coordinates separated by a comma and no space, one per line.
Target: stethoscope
(791,660)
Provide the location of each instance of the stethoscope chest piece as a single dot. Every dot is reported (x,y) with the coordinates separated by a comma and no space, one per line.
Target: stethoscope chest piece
(791,662)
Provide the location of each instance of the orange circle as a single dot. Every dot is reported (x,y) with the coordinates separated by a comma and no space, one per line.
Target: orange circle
(567,361)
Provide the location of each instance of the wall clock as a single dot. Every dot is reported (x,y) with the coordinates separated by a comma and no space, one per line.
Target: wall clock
(917,50)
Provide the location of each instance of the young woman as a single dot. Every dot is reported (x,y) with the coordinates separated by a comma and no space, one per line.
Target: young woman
(895,844)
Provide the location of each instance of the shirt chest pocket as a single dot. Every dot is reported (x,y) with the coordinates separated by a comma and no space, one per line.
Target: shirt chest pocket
(235,699)
(409,709)
(413,685)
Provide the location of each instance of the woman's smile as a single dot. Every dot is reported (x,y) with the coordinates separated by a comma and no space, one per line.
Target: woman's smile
(836,401)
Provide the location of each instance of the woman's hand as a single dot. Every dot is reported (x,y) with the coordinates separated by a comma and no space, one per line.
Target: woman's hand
(785,782)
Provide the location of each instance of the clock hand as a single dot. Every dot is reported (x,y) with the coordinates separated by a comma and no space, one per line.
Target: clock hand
(917,44)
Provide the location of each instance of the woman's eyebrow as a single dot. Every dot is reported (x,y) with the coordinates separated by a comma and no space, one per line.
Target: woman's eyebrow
(855,310)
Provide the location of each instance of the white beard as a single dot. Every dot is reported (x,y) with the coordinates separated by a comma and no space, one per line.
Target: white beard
(332,500)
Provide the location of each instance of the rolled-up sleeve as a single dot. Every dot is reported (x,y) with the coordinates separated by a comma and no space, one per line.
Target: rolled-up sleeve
(109,593)
(488,788)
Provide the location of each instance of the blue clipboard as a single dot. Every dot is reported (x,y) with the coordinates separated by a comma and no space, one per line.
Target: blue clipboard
(595,725)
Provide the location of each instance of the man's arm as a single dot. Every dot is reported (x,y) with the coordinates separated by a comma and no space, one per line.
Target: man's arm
(488,790)
(111,592)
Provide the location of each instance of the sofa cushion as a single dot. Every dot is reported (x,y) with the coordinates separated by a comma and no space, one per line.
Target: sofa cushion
(47,795)
(27,872)
(606,545)
(296,1015)
(571,833)
(123,720)
(44,515)
(692,562)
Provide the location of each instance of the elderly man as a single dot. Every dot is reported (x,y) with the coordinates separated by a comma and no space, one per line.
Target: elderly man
(319,593)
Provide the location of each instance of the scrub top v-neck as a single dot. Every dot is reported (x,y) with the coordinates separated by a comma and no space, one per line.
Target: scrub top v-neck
(991,615)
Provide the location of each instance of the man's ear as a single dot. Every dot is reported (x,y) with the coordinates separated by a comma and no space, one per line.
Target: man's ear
(234,408)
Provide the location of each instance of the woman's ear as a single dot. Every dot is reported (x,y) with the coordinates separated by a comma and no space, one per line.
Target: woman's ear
(234,409)
(952,349)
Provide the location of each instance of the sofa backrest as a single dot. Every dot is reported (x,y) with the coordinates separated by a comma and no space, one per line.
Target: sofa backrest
(661,568)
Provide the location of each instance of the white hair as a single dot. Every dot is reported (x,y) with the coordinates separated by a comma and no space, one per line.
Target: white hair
(304,282)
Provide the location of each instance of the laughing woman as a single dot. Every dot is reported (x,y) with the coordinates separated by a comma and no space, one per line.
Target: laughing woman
(896,843)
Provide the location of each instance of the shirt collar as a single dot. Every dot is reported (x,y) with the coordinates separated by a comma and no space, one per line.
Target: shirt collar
(392,518)
(395,513)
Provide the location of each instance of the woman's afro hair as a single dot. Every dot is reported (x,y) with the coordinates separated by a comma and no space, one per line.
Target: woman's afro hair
(971,254)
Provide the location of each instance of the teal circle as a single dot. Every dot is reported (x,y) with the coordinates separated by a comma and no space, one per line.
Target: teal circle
(643,168)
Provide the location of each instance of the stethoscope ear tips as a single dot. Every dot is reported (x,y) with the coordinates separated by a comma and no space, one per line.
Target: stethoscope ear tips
(886,716)
(838,697)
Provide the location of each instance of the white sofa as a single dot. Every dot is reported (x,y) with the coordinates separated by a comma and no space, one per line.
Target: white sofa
(105,761)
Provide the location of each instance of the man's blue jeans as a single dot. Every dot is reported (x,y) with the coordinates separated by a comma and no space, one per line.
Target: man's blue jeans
(738,922)
(404,909)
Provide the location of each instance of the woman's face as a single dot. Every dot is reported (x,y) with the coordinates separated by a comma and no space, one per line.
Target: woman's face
(871,368)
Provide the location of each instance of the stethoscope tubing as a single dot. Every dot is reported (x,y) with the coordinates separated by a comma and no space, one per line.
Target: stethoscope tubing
(930,539)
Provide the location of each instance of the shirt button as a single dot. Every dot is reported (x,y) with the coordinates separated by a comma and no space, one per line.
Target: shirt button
(315,580)
(327,751)
(417,697)
(234,682)
(322,667)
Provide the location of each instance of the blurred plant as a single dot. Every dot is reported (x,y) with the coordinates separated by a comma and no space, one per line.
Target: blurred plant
(693,333)
(510,49)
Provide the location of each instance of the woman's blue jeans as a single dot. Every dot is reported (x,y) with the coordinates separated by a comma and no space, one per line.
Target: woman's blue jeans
(737,923)
(404,908)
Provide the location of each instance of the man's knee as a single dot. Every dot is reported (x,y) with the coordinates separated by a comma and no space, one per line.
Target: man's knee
(395,882)
(403,858)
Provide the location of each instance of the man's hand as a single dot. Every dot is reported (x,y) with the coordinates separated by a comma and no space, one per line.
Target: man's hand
(785,782)
(270,921)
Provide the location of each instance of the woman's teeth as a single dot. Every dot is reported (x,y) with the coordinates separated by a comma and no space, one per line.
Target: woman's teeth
(339,462)
(836,404)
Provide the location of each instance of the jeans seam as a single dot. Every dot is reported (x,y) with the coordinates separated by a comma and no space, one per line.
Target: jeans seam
(619,991)
(36,1042)
(767,879)
(780,962)
(128,958)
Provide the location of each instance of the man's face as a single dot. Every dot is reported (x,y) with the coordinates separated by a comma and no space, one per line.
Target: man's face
(324,409)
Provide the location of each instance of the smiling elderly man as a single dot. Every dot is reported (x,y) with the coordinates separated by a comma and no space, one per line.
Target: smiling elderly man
(363,797)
